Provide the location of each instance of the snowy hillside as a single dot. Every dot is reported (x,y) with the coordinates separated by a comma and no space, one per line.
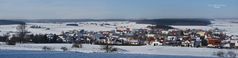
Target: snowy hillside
(148,49)
(57,28)
(223,24)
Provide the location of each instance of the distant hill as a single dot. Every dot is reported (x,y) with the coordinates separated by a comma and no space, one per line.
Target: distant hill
(164,21)
(9,22)
(176,21)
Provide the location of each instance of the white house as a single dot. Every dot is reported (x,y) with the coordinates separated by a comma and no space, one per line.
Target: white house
(234,41)
(171,37)
(157,43)
(165,32)
(150,35)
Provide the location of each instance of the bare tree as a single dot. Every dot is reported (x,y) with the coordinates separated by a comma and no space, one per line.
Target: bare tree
(108,47)
(21,32)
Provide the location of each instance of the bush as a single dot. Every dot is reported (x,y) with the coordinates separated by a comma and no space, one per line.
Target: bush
(64,48)
(77,46)
(109,48)
(10,42)
(45,48)
(231,54)
(219,54)
(114,49)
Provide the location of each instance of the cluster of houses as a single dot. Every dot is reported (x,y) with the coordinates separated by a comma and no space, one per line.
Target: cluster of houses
(154,36)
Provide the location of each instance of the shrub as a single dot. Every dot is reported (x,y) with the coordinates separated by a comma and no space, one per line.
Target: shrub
(45,48)
(10,42)
(64,48)
(77,46)
(231,54)
(219,54)
(114,49)
(109,48)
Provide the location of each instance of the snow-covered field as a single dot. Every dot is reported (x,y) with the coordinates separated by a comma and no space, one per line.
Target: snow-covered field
(56,54)
(57,28)
(223,24)
(148,49)
(231,28)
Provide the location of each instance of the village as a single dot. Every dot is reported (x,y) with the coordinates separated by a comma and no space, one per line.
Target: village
(155,35)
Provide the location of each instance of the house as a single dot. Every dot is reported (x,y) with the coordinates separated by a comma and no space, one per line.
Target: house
(171,37)
(234,41)
(151,38)
(121,29)
(150,35)
(226,43)
(213,42)
(201,33)
(165,32)
(156,44)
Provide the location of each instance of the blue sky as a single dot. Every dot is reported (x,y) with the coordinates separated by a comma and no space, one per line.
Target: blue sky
(114,9)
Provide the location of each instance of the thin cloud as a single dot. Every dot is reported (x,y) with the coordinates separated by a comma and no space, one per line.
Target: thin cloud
(217,5)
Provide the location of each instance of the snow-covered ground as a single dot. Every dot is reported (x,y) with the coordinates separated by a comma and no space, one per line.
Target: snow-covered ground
(57,28)
(223,24)
(231,28)
(147,49)
(56,54)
